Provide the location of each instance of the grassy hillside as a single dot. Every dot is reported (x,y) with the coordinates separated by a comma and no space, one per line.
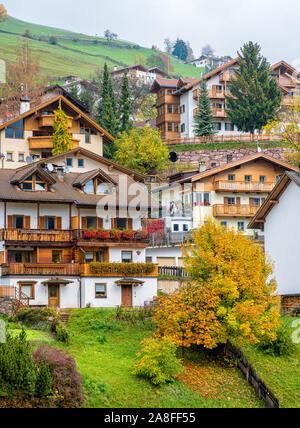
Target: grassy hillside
(75,53)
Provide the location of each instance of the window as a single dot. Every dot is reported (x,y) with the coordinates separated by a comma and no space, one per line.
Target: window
(185,227)
(202,198)
(224,224)
(21,157)
(176,227)
(231,177)
(218,126)
(34,184)
(231,201)
(176,127)
(241,226)
(248,178)
(69,162)
(80,163)
(229,158)
(15,130)
(170,127)
(89,257)
(278,178)
(170,108)
(91,223)
(18,222)
(87,133)
(262,179)
(89,188)
(121,223)
(27,288)
(183,127)
(9,156)
(56,256)
(256,202)
(100,291)
(229,127)
(50,223)
(175,109)
(182,109)
(213,165)
(126,256)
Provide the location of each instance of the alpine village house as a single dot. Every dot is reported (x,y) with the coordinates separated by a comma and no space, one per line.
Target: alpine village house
(177,100)
(57,247)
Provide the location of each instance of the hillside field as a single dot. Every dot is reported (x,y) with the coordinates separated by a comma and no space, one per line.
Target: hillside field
(75,53)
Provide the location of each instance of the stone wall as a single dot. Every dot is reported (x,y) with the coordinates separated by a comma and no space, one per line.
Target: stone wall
(220,156)
(7,306)
(289,304)
(169,286)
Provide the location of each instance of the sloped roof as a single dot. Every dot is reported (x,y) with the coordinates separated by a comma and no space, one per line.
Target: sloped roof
(273,198)
(164,83)
(242,161)
(68,103)
(22,175)
(282,63)
(84,178)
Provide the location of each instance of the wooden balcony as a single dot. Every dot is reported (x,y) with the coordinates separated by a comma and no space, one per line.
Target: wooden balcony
(235,210)
(241,186)
(94,239)
(46,142)
(7,292)
(213,93)
(86,270)
(36,235)
(47,121)
(196,94)
(219,112)
(40,269)
(226,76)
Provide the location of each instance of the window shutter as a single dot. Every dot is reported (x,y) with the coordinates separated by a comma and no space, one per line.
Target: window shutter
(238,201)
(74,223)
(58,222)
(263,200)
(42,223)
(130,223)
(226,201)
(113,223)
(100,223)
(84,223)
(27,222)
(10,221)
(251,202)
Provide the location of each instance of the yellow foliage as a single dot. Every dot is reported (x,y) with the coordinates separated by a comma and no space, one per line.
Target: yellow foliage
(287,126)
(231,295)
(3,13)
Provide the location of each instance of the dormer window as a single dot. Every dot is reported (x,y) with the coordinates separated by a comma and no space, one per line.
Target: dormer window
(96,187)
(34,184)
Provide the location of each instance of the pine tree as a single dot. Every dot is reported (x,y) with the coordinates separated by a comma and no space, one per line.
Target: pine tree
(107,115)
(180,50)
(125,106)
(255,96)
(62,139)
(204,121)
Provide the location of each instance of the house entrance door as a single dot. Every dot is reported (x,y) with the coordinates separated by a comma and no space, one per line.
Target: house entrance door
(53,296)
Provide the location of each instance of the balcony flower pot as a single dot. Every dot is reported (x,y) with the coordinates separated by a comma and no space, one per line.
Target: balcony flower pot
(103,235)
(128,235)
(90,234)
(115,235)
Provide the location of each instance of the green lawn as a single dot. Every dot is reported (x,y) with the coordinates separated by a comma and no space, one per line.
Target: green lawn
(281,374)
(77,58)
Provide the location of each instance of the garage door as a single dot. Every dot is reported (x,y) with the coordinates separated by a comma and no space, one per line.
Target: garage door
(180,262)
(166,261)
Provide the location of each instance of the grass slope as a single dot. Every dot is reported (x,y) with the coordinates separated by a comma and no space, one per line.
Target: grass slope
(81,57)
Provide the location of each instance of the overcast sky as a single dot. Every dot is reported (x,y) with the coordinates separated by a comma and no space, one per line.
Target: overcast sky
(225,24)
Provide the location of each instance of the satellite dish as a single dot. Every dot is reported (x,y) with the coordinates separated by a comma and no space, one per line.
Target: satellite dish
(29,159)
(173,157)
(50,167)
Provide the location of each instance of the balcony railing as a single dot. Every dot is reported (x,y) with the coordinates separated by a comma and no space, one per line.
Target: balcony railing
(169,239)
(240,186)
(109,236)
(47,120)
(7,292)
(40,269)
(46,142)
(36,235)
(235,210)
(119,270)
(216,94)
(219,112)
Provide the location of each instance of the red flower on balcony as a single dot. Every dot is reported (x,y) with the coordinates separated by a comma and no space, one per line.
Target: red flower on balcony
(128,235)
(103,235)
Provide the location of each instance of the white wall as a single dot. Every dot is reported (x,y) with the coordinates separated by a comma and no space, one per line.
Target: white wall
(282,240)
(165,252)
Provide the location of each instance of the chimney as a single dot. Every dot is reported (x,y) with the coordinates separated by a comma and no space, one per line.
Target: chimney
(25,105)
(60,171)
(115,68)
(202,166)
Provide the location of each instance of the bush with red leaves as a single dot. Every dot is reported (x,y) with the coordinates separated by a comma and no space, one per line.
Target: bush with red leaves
(67,382)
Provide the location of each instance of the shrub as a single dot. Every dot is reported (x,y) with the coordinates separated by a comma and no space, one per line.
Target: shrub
(43,386)
(33,317)
(67,382)
(62,333)
(105,325)
(282,345)
(122,268)
(102,339)
(158,361)
(17,370)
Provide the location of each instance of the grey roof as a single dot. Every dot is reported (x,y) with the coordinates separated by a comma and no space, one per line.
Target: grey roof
(84,178)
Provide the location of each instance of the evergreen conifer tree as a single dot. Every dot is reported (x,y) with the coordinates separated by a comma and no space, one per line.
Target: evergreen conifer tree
(125,106)
(204,121)
(255,96)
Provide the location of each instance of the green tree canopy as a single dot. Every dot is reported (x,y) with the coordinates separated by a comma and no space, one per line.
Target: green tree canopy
(142,150)
(125,106)
(180,50)
(204,121)
(156,61)
(255,96)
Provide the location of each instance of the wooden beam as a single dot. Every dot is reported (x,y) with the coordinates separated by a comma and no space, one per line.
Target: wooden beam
(273,201)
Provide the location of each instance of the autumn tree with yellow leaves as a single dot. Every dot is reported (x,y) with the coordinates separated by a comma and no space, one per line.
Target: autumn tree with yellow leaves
(3,13)
(287,126)
(231,295)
